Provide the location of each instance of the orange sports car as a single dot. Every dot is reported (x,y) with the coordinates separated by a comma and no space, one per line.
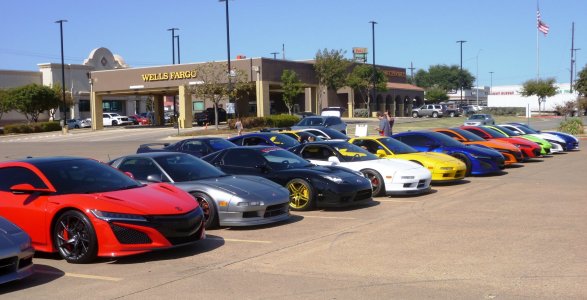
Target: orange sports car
(511,153)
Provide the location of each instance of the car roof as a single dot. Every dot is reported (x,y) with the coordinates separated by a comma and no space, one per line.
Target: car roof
(40,160)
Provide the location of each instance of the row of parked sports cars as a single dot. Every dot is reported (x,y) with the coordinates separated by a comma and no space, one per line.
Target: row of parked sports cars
(168,196)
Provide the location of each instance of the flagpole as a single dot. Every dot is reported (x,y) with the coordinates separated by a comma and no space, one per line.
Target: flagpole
(537,42)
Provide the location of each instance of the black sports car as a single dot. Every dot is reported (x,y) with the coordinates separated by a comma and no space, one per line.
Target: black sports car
(309,185)
(265,139)
(196,146)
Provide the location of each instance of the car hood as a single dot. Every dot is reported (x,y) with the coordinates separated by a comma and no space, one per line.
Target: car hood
(435,157)
(241,186)
(151,199)
(482,151)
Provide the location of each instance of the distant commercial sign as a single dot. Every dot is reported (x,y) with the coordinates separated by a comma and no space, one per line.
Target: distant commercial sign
(360,54)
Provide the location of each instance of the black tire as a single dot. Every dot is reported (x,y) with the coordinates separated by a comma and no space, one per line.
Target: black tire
(114,123)
(464,159)
(301,194)
(434,114)
(451,114)
(74,237)
(209,208)
(76,126)
(376,181)
(415,114)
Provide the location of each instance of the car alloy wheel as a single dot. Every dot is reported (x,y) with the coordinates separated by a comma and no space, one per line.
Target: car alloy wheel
(414,115)
(300,194)
(207,205)
(75,238)
(376,181)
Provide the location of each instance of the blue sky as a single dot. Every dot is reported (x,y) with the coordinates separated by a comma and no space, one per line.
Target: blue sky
(500,34)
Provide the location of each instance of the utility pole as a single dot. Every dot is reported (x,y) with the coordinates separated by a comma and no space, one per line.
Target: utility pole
(461,75)
(373,75)
(283,51)
(572,53)
(274,54)
(411,68)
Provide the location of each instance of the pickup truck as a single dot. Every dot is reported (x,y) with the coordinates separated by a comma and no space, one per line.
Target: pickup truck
(435,111)
(207,116)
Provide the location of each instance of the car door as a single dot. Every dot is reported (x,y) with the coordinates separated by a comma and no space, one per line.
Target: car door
(27,210)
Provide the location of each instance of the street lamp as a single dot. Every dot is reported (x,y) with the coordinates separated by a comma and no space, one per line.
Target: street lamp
(173,43)
(477,75)
(63,74)
(491,82)
(228,51)
(178,58)
(461,75)
(274,54)
(373,75)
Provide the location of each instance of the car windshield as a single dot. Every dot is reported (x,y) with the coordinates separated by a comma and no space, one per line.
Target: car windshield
(527,130)
(507,131)
(283,140)
(445,140)
(334,134)
(396,146)
(468,135)
(182,167)
(350,152)
(219,144)
(311,121)
(494,133)
(280,159)
(85,176)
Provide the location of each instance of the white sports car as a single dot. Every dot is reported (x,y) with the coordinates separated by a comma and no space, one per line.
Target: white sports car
(557,142)
(388,176)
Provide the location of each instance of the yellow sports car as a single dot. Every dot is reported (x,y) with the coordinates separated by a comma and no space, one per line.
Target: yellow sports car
(444,168)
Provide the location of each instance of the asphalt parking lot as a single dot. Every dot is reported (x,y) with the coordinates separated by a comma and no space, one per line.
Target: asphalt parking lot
(514,235)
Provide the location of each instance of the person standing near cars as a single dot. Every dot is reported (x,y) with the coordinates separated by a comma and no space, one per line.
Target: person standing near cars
(383,129)
(239,126)
(391,120)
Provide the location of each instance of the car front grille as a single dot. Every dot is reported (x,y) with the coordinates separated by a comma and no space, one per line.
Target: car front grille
(179,229)
(129,236)
(276,210)
(363,194)
(421,183)
(8,265)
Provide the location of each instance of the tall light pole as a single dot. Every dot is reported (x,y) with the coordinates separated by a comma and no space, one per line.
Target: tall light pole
(374,72)
(178,57)
(173,43)
(461,75)
(575,62)
(477,76)
(63,74)
(491,82)
(228,51)
(274,54)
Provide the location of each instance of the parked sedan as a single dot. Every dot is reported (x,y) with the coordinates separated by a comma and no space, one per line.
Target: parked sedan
(331,122)
(388,177)
(310,186)
(479,161)
(79,123)
(16,252)
(197,147)
(226,200)
(444,168)
(265,139)
(479,119)
(82,208)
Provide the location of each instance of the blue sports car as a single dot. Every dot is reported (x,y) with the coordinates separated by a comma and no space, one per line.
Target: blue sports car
(197,147)
(265,139)
(479,160)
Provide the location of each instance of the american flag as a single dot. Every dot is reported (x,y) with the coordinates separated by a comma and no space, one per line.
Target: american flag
(541,25)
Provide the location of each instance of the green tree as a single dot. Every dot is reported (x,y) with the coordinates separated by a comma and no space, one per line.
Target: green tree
(581,83)
(33,99)
(6,103)
(292,87)
(436,94)
(212,84)
(59,92)
(445,77)
(361,80)
(542,88)
(331,70)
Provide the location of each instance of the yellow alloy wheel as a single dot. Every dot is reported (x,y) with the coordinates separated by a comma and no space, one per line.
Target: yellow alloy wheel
(300,194)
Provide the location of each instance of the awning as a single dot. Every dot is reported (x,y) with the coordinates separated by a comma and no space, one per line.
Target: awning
(403,86)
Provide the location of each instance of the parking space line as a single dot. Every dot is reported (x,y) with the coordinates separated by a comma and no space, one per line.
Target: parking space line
(85,276)
(240,241)
(398,201)
(324,217)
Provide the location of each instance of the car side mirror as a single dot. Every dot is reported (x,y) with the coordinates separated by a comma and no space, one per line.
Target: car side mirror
(26,188)
(154,178)
(380,153)
(334,160)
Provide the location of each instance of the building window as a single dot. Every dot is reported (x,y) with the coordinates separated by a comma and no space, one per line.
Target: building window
(112,106)
(84,105)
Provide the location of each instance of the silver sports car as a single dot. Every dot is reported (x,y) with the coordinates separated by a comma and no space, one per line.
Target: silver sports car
(227,200)
(16,252)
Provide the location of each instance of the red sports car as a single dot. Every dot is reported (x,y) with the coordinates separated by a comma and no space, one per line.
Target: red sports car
(82,208)
(529,149)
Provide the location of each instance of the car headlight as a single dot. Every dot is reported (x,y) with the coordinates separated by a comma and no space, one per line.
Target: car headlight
(250,203)
(112,216)
(480,156)
(332,178)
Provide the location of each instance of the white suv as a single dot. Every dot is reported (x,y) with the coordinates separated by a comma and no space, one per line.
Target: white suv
(113,119)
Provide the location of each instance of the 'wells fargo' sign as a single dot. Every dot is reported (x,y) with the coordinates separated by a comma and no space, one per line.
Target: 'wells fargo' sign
(169,75)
